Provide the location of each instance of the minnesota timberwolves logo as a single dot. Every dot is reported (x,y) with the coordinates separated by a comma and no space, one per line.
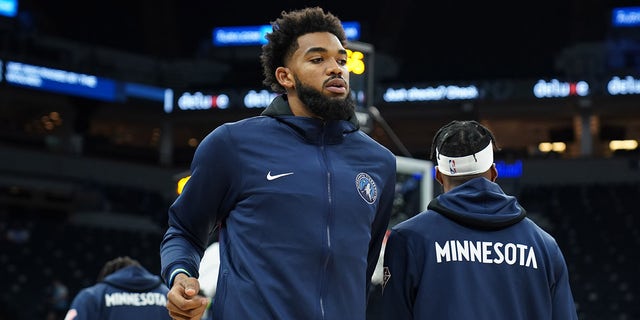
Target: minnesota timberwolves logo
(366,187)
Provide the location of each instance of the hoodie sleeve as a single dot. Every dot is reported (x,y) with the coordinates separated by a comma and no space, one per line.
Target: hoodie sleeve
(398,291)
(85,305)
(562,298)
(199,207)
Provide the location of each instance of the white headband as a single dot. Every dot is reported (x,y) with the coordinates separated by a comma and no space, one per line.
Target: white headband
(479,162)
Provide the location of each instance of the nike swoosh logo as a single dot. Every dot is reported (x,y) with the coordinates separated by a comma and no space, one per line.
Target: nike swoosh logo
(270,177)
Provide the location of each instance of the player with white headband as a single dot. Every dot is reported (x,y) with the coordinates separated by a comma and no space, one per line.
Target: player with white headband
(473,254)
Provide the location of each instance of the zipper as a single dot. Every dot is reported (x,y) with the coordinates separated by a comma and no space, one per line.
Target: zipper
(328,221)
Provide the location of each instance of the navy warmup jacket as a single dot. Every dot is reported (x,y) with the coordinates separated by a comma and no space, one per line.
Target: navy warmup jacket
(474,255)
(304,207)
(131,293)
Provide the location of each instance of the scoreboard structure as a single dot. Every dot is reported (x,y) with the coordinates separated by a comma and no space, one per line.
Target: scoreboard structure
(361,80)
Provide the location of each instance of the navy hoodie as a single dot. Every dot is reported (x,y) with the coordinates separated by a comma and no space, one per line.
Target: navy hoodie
(303,206)
(131,293)
(474,255)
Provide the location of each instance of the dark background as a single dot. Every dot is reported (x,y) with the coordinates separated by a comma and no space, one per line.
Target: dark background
(415,40)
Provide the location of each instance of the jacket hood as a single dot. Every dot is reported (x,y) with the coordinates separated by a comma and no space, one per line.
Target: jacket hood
(479,204)
(133,278)
(308,127)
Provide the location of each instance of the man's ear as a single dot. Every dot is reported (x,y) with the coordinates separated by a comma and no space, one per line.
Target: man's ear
(439,176)
(494,172)
(283,75)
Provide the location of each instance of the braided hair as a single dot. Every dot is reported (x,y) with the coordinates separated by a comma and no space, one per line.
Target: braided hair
(115,265)
(461,138)
(283,40)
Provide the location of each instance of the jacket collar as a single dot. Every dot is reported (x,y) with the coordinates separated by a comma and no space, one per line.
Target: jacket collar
(311,129)
(480,204)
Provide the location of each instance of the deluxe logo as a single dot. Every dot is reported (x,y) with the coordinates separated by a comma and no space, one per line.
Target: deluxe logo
(259,99)
(200,101)
(628,85)
(558,89)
